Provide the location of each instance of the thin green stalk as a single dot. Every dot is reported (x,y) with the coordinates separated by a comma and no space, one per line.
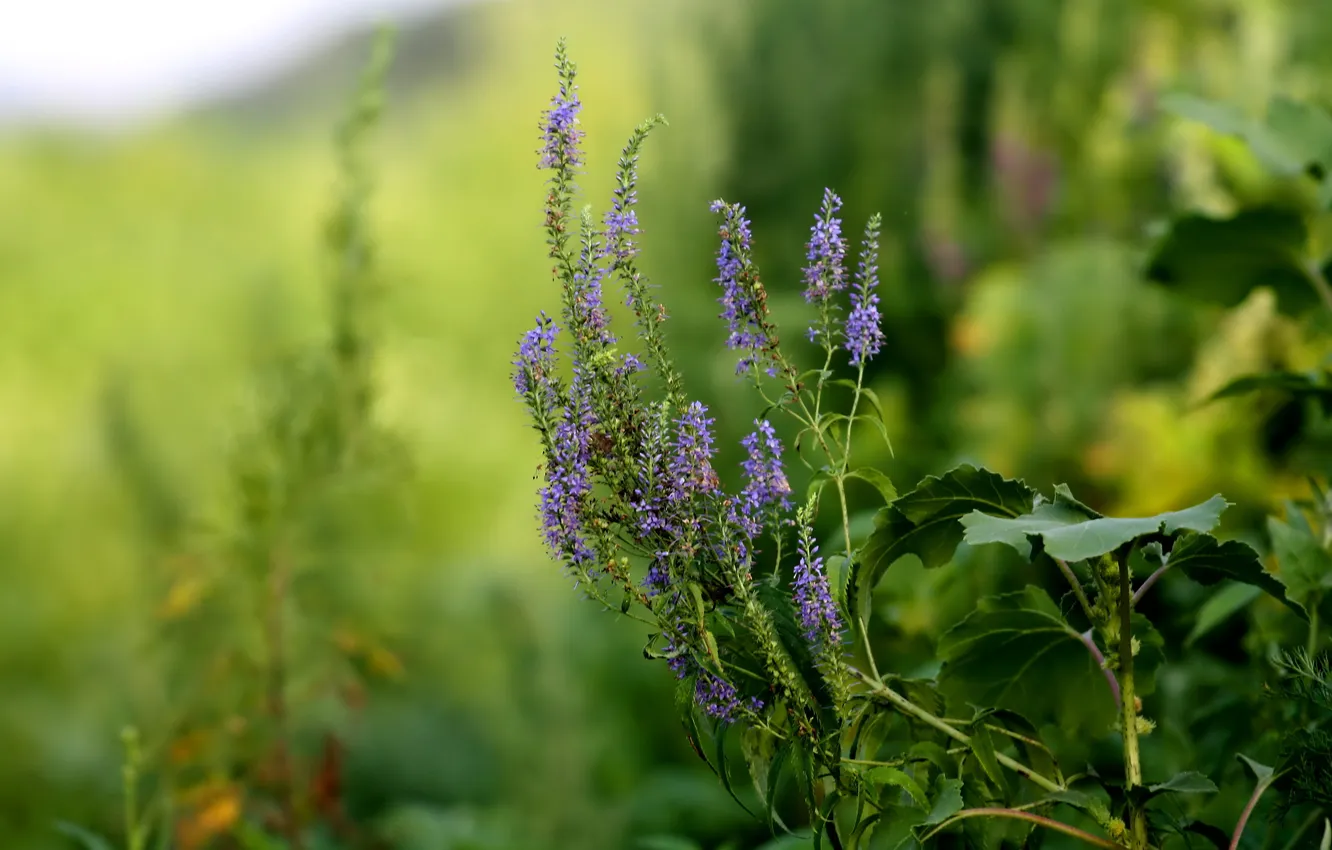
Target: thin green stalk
(906,706)
(1017,814)
(1258,791)
(1076,586)
(130,773)
(1128,703)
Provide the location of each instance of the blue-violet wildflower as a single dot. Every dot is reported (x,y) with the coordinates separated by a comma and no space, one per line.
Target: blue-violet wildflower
(818,612)
(560,129)
(742,307)
(568,479)
(766,482)
(535,365)
(864,336)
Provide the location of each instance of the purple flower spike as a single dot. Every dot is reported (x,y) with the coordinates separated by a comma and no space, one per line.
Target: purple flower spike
(560,133)
(767,484)
(568,479)
(691,468)
(818,612)
(743,313)
(864,336)
(826,273)
(535,365)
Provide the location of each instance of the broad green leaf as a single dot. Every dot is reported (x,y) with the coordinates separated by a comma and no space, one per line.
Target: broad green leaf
(1221,260)
(924,522)
(1306,567)
(1017,652)
(878,480)
(1224,604)
(1293,136)
(1068,534)
(1261,772)
(1207,561)
(895,778)
(1326,843)
(1188,782)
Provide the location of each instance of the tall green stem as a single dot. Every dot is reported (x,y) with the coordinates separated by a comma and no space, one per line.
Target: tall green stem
(1128,702)
(906,706)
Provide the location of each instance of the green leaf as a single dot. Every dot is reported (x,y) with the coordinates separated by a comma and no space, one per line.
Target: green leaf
(1224,604)
(1298,384)
(1207,561)
(1221,260)
(1293,136)
(1068,534)
(947,800)
(759,747)
(87,839)
(1017,652)
(1305,131)
(982,746)
(1326,843)
(895,778)
(880,482)
(1188,782)
(924,523)
(1083,801)
(1306,567)
(1261,772)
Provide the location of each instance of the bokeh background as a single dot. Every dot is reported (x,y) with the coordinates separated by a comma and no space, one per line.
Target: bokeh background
(151,263)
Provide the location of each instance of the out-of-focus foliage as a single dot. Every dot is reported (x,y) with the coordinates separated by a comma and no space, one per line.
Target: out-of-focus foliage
(1018,156)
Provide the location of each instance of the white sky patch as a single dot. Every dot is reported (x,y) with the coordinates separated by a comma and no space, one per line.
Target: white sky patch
(111,61)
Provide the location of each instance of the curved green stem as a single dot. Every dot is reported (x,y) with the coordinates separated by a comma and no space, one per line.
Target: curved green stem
(906,706)
(1077,587)
(1016,814)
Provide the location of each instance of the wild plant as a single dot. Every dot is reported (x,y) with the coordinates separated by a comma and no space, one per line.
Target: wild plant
(768,628)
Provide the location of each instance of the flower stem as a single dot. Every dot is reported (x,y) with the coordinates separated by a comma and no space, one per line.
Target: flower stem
(1147,585)
(1128,704)
(906,706)
(1017,814)
(1258,790)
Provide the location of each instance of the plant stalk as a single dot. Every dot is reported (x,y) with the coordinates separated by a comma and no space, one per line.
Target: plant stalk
(1258,790)
(1018,814)
(1128,705)
(906,706)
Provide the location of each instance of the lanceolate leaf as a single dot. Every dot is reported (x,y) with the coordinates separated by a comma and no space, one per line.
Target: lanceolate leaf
(1224,604)
(1067,533)
(1017,652)
(924,523)
(1206,560)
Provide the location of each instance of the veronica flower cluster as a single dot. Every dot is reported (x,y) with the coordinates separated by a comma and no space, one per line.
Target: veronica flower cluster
(632,502)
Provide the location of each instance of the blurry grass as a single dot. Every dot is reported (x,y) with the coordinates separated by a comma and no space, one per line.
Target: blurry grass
(174,261)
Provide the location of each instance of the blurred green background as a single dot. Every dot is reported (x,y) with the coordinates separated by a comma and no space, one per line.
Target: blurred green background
(1015,151)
